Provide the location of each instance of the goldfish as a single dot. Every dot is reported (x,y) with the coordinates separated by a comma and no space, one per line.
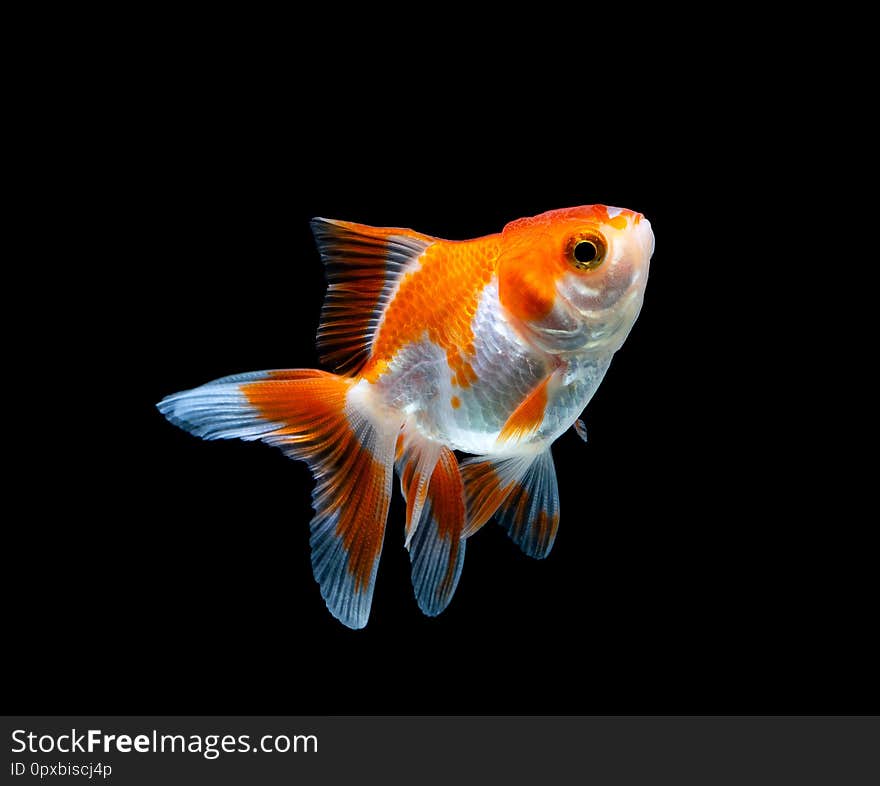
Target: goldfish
(490,347)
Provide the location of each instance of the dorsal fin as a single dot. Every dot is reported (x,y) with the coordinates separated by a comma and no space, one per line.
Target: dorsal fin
(364,265)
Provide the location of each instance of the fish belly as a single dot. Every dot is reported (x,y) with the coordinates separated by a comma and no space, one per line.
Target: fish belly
(506,369)
(466,417)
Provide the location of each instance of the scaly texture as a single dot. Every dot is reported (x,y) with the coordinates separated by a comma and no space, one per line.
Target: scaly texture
(439,298)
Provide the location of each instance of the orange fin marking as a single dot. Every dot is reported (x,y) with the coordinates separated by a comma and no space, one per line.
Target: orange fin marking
(447,497)
(528,416)
(446,493)
(313,426)
(416,493)
(530,514)
(517,507)
(358,474)
(547,525)
(437,549)
(521,492)
(483,491)
(299,408)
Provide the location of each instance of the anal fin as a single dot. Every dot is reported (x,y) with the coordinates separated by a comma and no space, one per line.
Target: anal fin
(530,514)
(487,483)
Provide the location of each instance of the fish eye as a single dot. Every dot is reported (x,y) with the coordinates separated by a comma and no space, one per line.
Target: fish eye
(587,251)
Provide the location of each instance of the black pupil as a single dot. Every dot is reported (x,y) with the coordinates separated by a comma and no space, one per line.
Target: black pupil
(585,251)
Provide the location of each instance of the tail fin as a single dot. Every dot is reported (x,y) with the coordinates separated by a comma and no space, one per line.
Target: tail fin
(319,418)
(435,517)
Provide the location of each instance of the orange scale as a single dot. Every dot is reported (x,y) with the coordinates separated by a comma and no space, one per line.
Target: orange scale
(440,296)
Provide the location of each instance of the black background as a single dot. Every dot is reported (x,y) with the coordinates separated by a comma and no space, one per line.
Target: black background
(699,567)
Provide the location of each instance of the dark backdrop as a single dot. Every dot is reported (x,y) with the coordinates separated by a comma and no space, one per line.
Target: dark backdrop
(160,573)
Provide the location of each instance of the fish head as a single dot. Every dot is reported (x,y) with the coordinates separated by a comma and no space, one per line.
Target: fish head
(574,279)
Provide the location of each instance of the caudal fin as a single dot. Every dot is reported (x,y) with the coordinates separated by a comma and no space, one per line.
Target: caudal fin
(435,517)
(319,418)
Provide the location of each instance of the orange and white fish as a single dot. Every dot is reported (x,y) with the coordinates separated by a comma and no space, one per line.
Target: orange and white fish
(491,347)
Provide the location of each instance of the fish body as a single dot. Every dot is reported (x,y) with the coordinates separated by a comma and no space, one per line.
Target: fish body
(491,347)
